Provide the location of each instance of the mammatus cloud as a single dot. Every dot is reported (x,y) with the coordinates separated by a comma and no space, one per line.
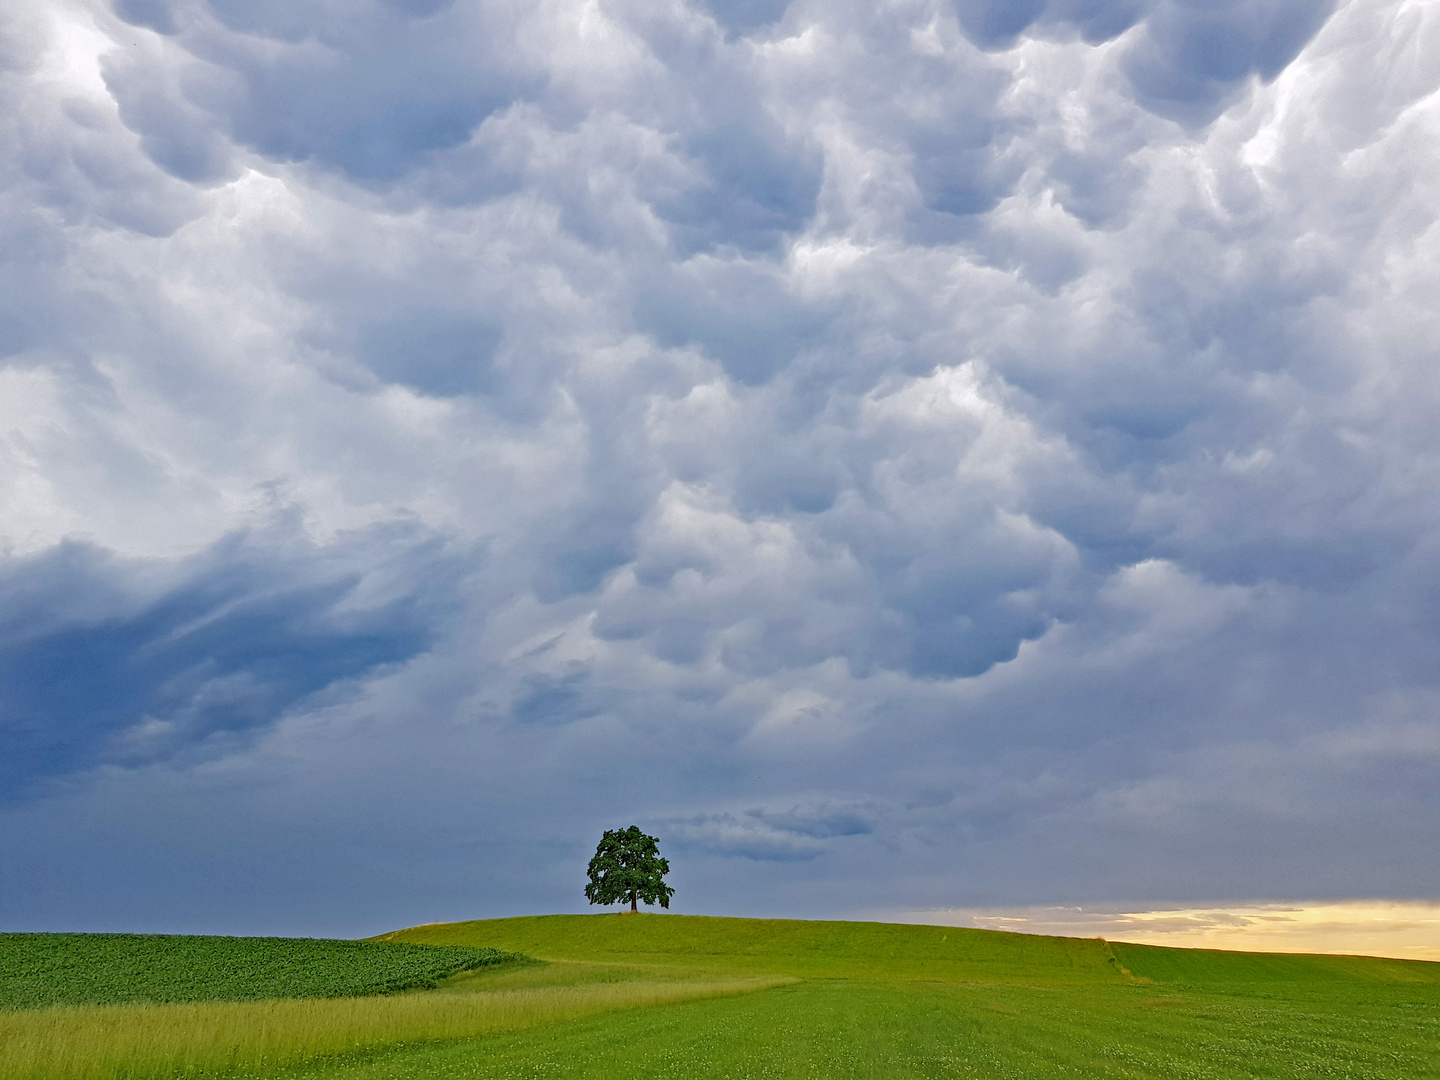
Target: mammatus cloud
(908,457)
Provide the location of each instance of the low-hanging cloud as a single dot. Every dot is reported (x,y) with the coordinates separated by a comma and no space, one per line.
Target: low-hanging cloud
(910,456)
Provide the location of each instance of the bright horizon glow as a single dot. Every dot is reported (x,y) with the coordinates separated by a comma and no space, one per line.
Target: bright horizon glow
(1403,929)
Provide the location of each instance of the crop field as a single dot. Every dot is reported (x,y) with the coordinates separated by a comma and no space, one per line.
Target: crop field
(37,970)
(668,996)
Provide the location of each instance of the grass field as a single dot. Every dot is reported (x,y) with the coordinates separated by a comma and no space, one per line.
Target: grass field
(656,996)
(256,1038)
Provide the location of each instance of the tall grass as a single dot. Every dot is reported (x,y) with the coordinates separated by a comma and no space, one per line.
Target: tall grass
(135,1041)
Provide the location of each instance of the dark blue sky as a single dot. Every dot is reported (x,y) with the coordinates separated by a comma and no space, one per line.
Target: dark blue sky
(906,456)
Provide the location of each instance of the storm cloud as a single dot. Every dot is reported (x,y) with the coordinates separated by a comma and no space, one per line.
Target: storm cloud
(908,456)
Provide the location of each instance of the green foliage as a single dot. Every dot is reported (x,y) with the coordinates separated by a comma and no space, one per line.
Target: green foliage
(627,866)
(37,970)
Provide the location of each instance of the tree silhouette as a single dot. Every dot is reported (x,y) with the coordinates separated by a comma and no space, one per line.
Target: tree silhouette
(627,866)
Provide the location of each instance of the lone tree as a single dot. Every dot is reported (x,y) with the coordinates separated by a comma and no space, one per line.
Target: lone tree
(627,866)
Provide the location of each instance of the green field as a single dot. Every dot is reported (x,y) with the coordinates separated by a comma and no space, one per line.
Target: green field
(655,996)
(37,970)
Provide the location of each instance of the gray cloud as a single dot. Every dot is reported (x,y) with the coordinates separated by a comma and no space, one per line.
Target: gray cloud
(910,457)
(107,661)
(366,91)
(795,834)
(1191,58)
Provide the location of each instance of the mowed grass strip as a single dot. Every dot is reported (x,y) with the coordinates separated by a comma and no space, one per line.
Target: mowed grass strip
(38,970)
(129,1042)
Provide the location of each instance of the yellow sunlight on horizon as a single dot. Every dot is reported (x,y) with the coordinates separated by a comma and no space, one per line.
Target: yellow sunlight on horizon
(1405,929)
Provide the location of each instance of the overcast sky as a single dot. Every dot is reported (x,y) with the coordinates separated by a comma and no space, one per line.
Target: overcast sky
(905,455)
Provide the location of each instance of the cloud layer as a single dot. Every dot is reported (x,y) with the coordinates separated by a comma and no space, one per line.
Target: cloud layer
(907,456)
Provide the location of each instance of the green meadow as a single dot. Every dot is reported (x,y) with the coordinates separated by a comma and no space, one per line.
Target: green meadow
(654,996)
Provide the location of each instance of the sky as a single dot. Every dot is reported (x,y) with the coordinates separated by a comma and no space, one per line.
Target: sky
(1406,929)
(912,456)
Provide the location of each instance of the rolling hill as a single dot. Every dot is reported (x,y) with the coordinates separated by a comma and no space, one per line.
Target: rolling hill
(661,996)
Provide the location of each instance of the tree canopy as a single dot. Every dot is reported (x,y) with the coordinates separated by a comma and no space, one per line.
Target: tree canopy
(627,866)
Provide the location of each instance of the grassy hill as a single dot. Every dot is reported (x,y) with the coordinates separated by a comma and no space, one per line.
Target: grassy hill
(1221,968)
(652,997)
(891,951)
(849,950)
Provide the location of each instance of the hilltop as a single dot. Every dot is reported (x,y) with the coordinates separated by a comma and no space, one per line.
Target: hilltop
(897,952)
(654,997)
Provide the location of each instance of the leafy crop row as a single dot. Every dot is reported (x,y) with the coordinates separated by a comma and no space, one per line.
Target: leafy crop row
(37,970)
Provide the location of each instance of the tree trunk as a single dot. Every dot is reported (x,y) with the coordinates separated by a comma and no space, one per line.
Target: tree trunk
(632,904)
